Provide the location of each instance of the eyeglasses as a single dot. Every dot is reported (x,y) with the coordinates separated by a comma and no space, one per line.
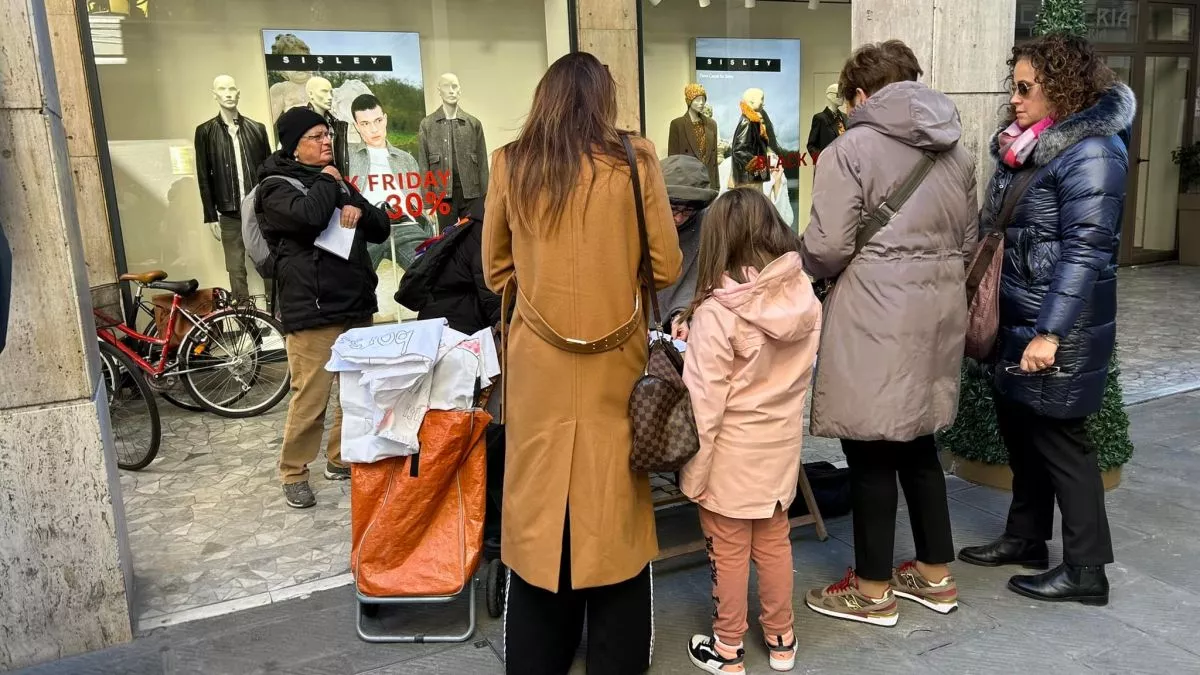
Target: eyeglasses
(328,135)
(1022,89)
(1016,370)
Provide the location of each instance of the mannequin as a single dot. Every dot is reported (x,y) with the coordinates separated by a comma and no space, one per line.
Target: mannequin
(229,149)
(320,100)
(291,92)
(752,140)
(695,133)
(827,124)
(452,140)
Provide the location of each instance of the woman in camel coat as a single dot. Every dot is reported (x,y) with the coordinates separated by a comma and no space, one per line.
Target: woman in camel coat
(578,524)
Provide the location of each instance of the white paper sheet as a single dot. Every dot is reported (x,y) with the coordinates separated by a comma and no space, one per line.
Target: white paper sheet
(336,239)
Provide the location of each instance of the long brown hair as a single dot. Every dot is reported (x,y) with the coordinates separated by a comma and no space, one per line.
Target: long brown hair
(573,117)
(740,230)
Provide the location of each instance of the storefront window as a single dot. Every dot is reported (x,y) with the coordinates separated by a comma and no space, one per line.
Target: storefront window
(183,84)
(1108,21)
(1163,108)
(1170,24)
(775,60)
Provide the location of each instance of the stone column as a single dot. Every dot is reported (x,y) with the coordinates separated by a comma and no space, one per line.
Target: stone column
(84,160)
(608,29)
(962,46)
(64,563)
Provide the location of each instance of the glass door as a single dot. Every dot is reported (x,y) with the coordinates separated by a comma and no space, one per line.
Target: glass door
(1164,119)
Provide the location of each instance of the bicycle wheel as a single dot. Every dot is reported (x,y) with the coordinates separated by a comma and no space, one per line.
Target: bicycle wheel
(234,362)
(136,428)
(170,387)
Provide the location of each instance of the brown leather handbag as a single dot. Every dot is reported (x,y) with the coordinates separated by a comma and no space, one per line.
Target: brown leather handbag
(983,276)
(664,427)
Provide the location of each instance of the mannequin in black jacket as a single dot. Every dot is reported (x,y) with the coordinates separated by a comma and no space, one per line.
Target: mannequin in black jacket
(230,148)
(753,138)
(827,125)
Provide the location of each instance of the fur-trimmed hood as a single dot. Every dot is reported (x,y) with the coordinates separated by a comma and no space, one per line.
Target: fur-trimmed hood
(1110,116)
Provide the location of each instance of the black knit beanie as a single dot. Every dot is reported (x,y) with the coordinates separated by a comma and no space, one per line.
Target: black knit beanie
(293,124)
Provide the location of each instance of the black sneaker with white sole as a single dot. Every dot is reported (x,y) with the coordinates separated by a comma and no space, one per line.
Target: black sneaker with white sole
(702,650)
(299,495)
(337,472)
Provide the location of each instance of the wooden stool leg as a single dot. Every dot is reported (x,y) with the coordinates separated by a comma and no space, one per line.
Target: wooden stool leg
(811,501)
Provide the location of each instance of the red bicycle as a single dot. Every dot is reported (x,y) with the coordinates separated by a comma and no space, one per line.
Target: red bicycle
(231,361)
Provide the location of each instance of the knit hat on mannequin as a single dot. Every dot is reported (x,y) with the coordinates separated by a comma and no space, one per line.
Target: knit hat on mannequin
(693,92)
(293,124)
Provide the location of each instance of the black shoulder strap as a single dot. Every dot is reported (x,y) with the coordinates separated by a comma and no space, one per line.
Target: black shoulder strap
(1016,190)
(883,214)
(646,268)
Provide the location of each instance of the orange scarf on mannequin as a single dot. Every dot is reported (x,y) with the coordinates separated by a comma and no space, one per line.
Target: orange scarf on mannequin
(754,116)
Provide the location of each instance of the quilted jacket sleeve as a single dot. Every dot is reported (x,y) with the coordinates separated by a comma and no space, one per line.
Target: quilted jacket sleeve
(1091,192)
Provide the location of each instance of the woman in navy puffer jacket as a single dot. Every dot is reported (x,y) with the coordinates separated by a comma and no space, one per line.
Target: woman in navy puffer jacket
(1058,307)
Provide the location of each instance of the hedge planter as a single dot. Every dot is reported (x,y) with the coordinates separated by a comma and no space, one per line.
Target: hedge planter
(973,451)
(999,476)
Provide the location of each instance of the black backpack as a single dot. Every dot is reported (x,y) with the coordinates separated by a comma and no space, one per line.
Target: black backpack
(416,287)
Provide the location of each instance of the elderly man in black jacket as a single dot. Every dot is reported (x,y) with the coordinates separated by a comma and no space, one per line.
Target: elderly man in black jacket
(320,294)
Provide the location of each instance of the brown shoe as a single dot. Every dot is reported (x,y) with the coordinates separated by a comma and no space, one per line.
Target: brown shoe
(843,600)
(907,582)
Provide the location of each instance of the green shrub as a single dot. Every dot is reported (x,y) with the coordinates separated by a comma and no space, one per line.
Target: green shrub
(975,436)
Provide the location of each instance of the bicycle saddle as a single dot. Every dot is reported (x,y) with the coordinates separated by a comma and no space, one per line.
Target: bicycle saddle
(184,288)
(144,277)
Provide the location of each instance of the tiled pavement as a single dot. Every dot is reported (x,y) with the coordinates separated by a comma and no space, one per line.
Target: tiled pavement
(210,533)
(1158,323)
(1149,627)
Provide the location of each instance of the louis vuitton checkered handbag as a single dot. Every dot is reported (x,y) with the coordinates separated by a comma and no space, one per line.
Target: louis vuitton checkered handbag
(664,428)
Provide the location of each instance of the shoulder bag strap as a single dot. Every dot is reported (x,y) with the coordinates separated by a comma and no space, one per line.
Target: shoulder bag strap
(982,259)
(646,268)
(1012,196)
(891,204)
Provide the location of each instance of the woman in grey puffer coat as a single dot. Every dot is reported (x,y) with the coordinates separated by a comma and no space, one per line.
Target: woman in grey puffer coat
(895,324)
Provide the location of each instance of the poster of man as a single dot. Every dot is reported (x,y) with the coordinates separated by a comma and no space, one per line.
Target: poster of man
(369,84)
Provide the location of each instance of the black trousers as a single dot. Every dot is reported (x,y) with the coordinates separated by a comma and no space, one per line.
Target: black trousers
(874,467)
(1053,458)
(495,491)
(542,630)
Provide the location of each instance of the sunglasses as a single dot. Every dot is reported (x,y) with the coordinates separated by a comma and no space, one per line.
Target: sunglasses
(1023,89)
(1016,370)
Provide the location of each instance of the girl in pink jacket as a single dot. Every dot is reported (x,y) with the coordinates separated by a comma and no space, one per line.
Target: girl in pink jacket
(752,341)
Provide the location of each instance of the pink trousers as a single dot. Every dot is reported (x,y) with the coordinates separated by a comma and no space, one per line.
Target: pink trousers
(732,543)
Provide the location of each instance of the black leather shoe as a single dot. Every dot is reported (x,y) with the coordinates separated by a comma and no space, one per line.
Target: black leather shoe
(1065,583)
(1008,550)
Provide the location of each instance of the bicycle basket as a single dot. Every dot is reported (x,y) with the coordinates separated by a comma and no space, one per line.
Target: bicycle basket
(106,306)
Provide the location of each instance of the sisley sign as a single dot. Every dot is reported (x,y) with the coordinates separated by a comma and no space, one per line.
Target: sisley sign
(349,62)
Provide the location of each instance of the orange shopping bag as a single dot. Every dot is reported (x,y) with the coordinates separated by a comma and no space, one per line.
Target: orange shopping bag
(422,534)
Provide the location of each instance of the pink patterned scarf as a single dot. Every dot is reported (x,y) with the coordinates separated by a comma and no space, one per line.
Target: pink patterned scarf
(1017,144)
